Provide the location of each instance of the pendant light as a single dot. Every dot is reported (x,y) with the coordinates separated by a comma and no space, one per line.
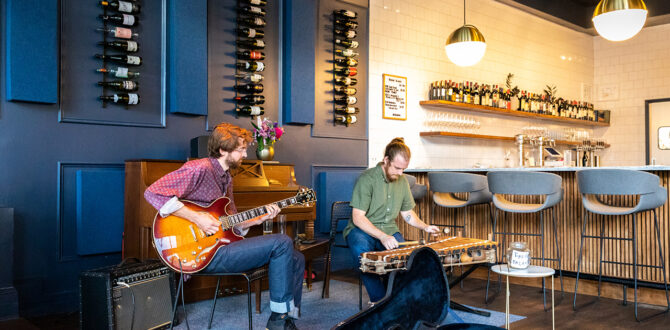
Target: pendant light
(618,20)
(465,46)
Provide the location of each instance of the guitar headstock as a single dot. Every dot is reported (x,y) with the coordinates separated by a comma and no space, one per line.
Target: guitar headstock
(305,196)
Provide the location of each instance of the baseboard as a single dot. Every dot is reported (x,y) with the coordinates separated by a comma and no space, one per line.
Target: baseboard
(9,304)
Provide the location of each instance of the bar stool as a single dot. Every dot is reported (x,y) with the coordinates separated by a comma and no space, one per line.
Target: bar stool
(595,182)
(527,183)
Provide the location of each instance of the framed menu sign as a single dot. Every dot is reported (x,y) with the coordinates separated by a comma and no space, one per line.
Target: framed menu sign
(394,97)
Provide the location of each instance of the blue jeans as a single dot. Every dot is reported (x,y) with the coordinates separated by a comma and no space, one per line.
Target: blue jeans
(360,242)
(286,266)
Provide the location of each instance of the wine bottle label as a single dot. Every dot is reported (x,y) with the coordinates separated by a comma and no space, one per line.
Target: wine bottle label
(124,33)
(133,60)
(255,110)
(122,72)
(255,2)
(258,21)
(128,19)
(351,34)
(128,84)
(133,98)
(260,43)
(255,78)
(347,52)
(126,6)
(254,55)
(348,13)
(354,44)
(353,119)
(353,71)
(351,99)
(260,66)
(131,46)
(252,33)
(255,10)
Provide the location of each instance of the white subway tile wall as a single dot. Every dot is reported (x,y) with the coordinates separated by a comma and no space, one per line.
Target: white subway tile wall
(407,39)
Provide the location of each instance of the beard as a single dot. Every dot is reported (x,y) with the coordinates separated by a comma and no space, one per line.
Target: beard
(232,163)
(389,177)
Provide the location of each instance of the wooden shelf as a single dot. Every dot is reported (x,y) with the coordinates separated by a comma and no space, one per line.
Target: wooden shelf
(505,112)
(492,137)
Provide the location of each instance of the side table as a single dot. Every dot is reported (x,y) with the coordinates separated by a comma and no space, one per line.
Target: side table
(531,271)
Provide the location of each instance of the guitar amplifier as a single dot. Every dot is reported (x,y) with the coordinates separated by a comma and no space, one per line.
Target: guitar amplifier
(127,296)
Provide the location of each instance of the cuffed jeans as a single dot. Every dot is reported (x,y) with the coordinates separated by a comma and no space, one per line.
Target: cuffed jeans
(360,242)
(286,266)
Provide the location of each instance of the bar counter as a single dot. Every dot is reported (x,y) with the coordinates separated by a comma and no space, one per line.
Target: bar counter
(569,224)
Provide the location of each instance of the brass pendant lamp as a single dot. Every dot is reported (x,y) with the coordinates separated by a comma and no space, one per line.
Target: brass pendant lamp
(618,20)
(466,45)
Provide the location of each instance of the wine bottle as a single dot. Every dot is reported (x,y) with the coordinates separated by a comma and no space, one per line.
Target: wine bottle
(124,19)
(255,2)
(122,6)
(345,119)
(345,90)
(119,32)
(346,110)
(249,88)
(251,21)
(345,24)
(125,45)
(120,72)
(126,59)
(251,66)
(346,81)
(251,77)
(250,33)
(346,14)
(250,110)
(349,34)
(346,100)
(345,52)
(349,71)
(122,85)
(122,98)
(251,10)
(346,43)
(250,99)
(346,61)
(251,44)
(250,55)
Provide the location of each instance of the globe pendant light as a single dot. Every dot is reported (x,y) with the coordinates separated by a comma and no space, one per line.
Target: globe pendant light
(618,20)
(465,46)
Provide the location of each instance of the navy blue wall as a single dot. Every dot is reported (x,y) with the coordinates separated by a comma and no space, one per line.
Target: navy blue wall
(40,161)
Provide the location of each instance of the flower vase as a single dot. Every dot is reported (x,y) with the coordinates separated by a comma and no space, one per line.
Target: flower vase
(266,153)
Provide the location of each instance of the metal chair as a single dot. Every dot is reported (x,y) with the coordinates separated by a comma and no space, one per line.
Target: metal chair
(340,211)
(526,183)
(596,182)
(418,190)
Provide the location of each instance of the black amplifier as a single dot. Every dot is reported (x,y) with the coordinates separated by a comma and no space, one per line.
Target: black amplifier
(128,296)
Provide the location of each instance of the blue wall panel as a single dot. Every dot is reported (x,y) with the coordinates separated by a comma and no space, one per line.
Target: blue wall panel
(99,211)
(333,186)
(187,56)
(31,61)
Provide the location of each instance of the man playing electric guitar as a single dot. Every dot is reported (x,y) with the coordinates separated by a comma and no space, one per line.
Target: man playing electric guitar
(203,181)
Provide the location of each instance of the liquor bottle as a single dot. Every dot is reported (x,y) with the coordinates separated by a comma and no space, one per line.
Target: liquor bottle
(346,52)
(119,72)
(346,81)
(250,99)
(122,85)
(250,55)
(466,93)
(251,44)
(345,119)
(431,91)
(345,90)
(346,14)
(346,100)
(124,19)
(255,2)
(119,32)
(345,24)
(251,66)
(126,59)
(251,21)
(250,77)
(251,10)
(122,6)
(250,33)
(349,71)
(250,110)
(122,98)
(249,88)
(346,43)
(346,61)
(125,45)
(476,100)
(349,34)
(585,159)
(346,110)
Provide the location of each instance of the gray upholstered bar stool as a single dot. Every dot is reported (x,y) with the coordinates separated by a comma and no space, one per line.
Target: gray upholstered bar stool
(527,184)
(597,182)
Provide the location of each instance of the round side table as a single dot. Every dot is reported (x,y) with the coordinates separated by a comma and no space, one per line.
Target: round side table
(531,271)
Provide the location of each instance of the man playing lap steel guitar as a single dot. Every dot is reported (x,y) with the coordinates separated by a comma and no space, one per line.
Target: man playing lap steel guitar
(203,181)
(379,195)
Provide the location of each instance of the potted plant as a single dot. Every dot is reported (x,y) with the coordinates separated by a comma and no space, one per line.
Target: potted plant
(513,92)
(266,132)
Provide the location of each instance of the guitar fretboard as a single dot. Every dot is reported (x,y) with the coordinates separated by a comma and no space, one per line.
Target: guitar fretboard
(260,211)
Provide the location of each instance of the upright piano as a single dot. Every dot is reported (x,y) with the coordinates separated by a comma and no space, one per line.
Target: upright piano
(255,183)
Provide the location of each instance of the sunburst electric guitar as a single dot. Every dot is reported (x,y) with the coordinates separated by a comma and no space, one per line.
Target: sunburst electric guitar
(185,248)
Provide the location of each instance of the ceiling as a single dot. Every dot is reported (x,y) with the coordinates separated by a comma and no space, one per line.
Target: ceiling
(577,14)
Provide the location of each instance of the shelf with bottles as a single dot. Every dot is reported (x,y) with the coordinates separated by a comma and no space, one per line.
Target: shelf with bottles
(345,64)
(506,112)
(249,65)
(581,143)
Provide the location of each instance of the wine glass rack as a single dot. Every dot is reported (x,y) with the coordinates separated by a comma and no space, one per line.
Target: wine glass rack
(345,62)
(249,47)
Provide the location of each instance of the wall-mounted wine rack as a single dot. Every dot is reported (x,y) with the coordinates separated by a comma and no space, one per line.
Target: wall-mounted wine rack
(249,52)
(345,62)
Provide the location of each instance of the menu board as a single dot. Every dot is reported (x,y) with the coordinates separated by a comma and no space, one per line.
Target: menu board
(394,100)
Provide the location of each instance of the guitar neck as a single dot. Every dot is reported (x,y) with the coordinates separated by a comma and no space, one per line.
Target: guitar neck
(259,211)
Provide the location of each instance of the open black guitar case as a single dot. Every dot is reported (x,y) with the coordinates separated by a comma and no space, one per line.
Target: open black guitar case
(416,298)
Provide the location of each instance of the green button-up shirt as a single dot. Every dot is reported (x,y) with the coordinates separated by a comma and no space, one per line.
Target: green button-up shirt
(381,200)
